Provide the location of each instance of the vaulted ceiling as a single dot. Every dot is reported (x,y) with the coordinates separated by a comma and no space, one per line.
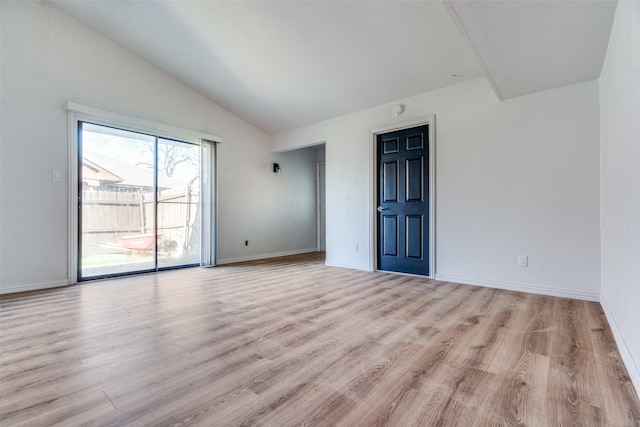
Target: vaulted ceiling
(286,64)
(531,46)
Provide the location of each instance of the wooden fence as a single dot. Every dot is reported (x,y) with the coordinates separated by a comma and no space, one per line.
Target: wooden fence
(107,216)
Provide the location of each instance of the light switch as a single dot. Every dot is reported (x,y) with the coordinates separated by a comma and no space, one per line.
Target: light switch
(57,175)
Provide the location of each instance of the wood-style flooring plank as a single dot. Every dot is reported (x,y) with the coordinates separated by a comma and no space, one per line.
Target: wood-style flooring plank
(290,341)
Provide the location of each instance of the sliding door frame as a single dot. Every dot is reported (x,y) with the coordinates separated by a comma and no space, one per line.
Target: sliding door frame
(80,113)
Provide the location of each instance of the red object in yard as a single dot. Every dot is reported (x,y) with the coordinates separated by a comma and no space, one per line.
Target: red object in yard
(138,242)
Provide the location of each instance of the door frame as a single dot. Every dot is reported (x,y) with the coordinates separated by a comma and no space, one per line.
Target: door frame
(373,188)
(321,207)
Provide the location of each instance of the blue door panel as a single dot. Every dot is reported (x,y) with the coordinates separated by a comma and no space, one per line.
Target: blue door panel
(403,201)
(390,190)
(390,235)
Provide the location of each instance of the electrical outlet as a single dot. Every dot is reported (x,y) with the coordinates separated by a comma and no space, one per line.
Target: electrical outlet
(356,248)
(246,243)
(56,175)
(523,261)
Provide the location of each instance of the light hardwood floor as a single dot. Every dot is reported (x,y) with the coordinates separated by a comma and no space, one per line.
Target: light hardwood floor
(292,342)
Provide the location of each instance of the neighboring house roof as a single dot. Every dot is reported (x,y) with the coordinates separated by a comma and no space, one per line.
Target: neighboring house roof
(98,169)
(95,175)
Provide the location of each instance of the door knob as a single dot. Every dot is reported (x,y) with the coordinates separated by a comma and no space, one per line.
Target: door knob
(380,208)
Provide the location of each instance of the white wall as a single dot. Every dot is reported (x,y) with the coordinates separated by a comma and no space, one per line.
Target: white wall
(49,58)
(620,183)
(513,177)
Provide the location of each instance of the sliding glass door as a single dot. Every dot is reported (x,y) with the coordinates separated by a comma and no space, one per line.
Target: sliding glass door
(138,202)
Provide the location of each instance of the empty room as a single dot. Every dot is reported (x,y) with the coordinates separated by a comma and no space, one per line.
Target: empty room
(335,213)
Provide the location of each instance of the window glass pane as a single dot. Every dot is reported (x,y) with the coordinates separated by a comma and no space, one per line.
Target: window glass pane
(117,212)
(178,203)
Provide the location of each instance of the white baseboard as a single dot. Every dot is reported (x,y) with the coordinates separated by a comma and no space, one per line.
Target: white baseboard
(25,287)
(632,365)
(354,266)
(265,256)
(521,287)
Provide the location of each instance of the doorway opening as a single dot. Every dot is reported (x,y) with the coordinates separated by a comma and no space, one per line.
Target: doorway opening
(302,175)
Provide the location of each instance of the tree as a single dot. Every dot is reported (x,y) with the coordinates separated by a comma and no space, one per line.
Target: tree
(170,155)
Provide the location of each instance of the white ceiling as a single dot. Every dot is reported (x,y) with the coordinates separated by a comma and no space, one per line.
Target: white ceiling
(285,64)
(531,46)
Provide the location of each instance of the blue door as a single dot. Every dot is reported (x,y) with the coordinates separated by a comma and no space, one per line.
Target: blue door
(403,201)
